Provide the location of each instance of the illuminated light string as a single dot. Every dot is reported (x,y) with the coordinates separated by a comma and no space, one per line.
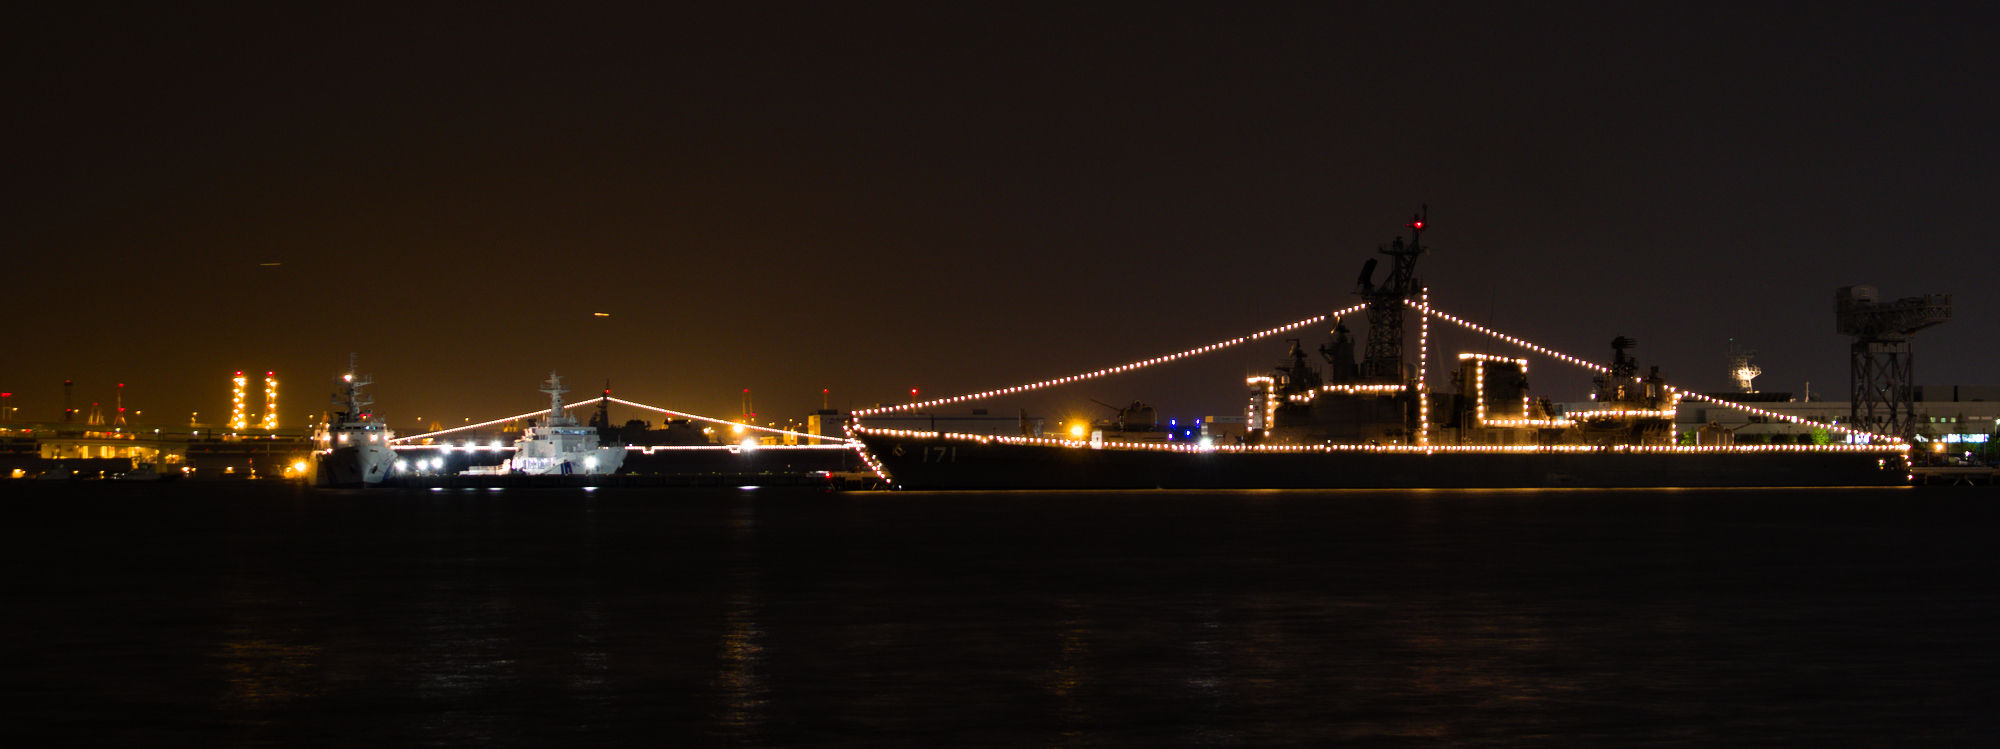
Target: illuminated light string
(640,449)
(1358,389)
(1551,353)
(620,401)
(868,458)
(652,449)
(1427,309)
(1423,364)
(1665,413)
(1674,425)
(1529,422)
(454,448)
(1479,390)
(1406,449)
(1269,386)
(1127,367)
(698,417)
(453,430)
(1787,417)
(1307,397)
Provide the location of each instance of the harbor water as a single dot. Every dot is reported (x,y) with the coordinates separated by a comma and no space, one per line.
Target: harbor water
(267,614)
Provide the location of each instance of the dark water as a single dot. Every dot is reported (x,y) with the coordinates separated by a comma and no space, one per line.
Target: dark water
(226,615)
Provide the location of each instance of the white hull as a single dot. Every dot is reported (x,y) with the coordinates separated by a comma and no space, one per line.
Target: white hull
(354,444)
(363,465)
(602,461)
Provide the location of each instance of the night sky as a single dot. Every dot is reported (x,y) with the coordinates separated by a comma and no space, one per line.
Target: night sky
(821,196)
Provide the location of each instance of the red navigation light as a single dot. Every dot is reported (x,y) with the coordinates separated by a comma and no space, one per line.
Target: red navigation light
(1417,225)
(6,395)
(268,374)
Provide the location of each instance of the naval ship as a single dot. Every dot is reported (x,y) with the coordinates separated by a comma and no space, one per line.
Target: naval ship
(353,443)
(1371,420)
(562,445)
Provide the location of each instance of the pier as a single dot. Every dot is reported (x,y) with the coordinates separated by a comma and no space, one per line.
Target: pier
(1954,475)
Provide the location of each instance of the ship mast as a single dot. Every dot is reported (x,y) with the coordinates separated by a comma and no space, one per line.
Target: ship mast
(351,398)
(1383,359)
(555,389)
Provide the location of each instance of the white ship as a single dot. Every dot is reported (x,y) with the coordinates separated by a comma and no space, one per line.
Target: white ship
(560,445)
(353,445)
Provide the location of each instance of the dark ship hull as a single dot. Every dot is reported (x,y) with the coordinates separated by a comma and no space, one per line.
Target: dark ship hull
(1376,423)
(931,461)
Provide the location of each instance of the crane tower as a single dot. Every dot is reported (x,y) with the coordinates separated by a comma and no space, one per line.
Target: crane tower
(1879,361)
(1384,358)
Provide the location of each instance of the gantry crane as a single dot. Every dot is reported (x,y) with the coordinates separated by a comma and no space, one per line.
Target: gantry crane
(1879,362)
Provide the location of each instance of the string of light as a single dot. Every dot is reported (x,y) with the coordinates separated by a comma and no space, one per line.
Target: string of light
(620,401)
(1423,363)
(1122,368)
(1690,395)
(712,420)
(1368,447)
(1425,307)
(516,417)
(867,458)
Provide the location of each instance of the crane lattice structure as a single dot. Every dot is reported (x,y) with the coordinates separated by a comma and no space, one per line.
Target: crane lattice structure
(1879,361)
(1383,359)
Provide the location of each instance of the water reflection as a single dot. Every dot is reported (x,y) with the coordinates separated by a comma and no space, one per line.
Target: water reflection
(262,673)
(739,682)
(1069,672)
(1451,618)
(265,661)
(590,660)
